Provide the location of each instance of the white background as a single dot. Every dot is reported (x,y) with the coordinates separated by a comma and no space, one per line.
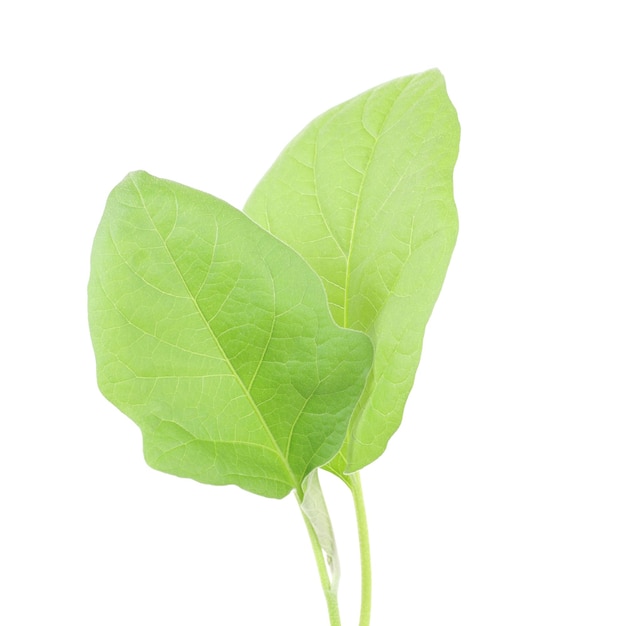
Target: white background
(501,500)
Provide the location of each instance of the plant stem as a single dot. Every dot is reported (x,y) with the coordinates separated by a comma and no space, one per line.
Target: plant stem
(354,482)
(329,592)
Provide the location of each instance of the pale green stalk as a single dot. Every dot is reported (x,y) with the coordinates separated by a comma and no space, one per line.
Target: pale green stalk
(330,593)
(354,482)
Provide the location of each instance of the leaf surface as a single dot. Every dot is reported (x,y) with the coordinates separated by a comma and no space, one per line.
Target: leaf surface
(364,194)
(216,339)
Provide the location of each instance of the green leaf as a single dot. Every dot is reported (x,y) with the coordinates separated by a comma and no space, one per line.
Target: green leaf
(364,194)
(216,339)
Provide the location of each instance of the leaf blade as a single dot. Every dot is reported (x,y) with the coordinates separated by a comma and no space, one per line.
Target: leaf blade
(364,194)
(216,340)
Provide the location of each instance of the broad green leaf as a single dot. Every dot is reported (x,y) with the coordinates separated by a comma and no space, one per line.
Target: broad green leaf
(364,194)
(216,339)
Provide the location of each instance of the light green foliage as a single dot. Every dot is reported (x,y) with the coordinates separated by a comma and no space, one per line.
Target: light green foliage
(216,339)
(251,357)
(364,194)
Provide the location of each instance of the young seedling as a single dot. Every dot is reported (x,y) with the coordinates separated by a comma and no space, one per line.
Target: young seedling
(253,348)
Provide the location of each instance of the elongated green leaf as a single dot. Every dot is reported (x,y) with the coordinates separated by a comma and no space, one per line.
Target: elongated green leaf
(364,194)
(216,339)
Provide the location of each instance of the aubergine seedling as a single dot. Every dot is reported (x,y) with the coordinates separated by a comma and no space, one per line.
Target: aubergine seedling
(254,347)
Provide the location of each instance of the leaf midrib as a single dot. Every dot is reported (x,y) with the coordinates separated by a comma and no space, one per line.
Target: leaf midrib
(359,200)
(295,482)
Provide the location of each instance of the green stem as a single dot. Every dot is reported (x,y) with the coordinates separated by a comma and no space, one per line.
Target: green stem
(354,482)
(329,592)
